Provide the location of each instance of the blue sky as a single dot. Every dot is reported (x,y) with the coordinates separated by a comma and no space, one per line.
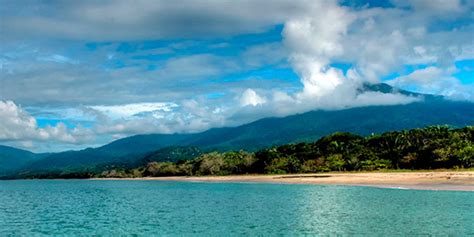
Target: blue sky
(75,74)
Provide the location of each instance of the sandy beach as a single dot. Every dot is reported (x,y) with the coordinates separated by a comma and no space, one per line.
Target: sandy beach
(449,180)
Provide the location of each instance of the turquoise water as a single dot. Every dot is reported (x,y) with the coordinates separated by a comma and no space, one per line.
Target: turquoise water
(85,207)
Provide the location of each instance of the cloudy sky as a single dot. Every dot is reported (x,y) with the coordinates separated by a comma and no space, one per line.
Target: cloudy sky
(75,74)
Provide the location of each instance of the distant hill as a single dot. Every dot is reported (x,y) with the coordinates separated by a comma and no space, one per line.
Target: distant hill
(172,154)
(433,110)
(12,159)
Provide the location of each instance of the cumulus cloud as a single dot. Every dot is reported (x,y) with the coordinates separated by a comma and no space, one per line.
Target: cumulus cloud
(313,40)
(375,42)
(128,119)
(15,122)
(434,80)
(18,125)
(388,39)
(111,84)
(250,97)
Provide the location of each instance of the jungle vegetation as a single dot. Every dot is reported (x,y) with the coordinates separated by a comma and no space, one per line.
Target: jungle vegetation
(432,147)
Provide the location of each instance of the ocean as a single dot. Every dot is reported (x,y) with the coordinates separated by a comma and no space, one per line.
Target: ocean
(150,207)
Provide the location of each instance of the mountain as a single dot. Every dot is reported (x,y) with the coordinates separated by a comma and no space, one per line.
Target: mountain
(123,151)
(172,154)
(12,159)
(433,110)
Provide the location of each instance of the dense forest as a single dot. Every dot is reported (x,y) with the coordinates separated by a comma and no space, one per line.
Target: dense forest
(427,148)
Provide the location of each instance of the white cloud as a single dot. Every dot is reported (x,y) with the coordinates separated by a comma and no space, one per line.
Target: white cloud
(313,40)
(129,110)
(15,122)
(18,125)
(185,117)
(378,98)
(375,41)
(57,59)
(250,97)
(435,80)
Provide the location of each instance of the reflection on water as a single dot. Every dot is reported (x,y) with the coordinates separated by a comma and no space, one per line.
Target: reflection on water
(81,207)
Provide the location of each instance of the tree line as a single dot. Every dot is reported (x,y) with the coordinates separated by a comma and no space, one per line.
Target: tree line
(432,147)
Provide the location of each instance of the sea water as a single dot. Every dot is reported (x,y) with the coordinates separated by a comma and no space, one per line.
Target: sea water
(125,207)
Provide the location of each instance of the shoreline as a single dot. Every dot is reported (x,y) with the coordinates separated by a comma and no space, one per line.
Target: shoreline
(431,180)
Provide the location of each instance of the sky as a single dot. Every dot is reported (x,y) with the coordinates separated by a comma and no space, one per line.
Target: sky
(77,74)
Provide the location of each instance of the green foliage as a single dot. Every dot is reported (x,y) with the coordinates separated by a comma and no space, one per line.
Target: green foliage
(160,169)
(258,135)
(173,154)
(211,164)
(431,147)
(335,162)
(427,148)
(375,165)
(283,165)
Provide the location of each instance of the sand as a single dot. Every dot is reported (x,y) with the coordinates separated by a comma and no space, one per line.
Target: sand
(449,180)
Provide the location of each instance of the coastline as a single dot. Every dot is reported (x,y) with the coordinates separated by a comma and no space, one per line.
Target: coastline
(430,180)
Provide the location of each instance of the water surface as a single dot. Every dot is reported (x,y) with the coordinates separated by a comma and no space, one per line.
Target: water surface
(84,207)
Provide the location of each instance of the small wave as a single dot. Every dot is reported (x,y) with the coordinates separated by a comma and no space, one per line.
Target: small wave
(398,187)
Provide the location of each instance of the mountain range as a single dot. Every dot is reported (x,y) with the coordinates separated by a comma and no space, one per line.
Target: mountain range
(12,158)
(309,126)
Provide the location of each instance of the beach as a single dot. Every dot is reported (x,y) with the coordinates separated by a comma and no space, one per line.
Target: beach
(439,180)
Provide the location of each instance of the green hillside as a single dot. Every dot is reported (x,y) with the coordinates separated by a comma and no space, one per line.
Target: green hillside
(310,126)
(12,159)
